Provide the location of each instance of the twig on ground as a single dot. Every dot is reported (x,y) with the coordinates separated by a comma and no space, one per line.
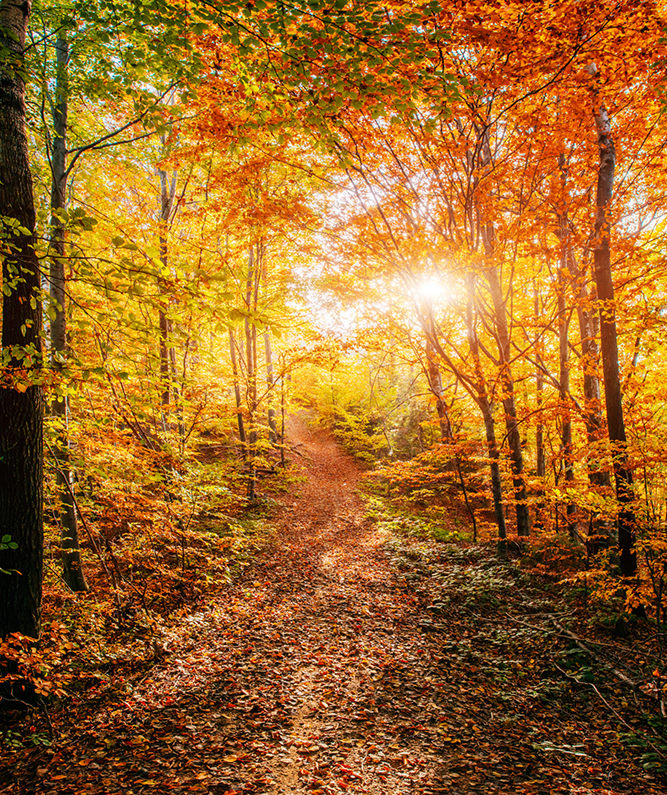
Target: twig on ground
(611,709)
(633,683)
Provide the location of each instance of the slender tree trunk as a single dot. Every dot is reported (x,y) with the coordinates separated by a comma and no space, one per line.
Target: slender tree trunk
(21,405)
(237,393)
(60,409)
(486,235)
(59,206)
(540,463)
(282,416)
(540,468)
(268,359)
(494,465)
(271,412)
(251,373)
(487,415)
(167,352)
(165,392)
(508,401)
(598,478)
(435,385)
(268,362)
(608,336)
(590,356)
(564,378)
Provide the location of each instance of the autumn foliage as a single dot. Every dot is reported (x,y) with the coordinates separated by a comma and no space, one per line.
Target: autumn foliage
(435,229)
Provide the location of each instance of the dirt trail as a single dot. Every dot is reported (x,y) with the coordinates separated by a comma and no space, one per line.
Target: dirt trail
(319,673)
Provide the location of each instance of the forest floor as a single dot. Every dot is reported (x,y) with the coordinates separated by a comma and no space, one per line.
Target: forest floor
(346,659)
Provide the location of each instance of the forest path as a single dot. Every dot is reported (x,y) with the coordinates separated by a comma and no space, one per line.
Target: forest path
(321,671)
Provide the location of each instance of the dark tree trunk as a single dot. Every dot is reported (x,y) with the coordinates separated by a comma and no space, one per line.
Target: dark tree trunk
(608,337)
(165,333)
(564,390)
(494,465)
(508,401)
(590,356)
(589,349)
(70,549)
(540,460)
(486,234)
(487,414)
(21,409)
(592,414)
(237,393)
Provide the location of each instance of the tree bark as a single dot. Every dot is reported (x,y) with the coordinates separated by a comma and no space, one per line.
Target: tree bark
(590,356)
(608,336)
(540,459)
(487,414)
(593,421)
(237,393)
(564,379)
(270,382)
(22,408)
(251,371)
(486,234)
(435,385)
(509,404)
(167,352)
(60,409)
(268,359)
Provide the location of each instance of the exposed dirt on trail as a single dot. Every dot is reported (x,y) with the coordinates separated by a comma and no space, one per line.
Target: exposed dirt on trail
(320,671)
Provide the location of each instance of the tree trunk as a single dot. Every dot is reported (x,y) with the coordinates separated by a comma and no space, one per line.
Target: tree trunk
(435,385)
(540,461)
(237,393)
(564,379)
(486,234)
(70,549)
(608,337)
(593,422)
(251,372)
(167,352)
(487,415)
(494,465)
(21,405)
(590,356)
(268,360)
(271,412)
(509,404)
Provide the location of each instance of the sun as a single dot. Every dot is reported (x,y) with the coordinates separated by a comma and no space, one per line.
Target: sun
(431,289)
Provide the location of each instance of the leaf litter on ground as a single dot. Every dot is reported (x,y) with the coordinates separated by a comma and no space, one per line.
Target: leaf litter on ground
(348,658)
